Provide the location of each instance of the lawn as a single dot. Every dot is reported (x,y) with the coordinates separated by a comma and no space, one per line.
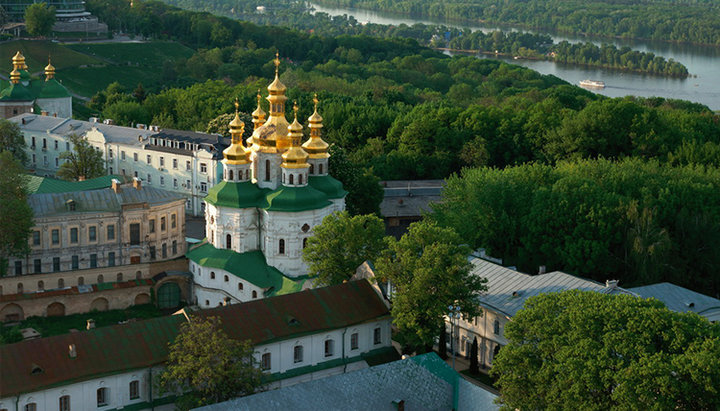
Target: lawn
(48,326)
(151,54)
(36,55)
(89,80)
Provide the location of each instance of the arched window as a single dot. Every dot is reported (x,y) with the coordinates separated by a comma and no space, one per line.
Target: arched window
(134,389)
(254,294)
(300,179)
(228,241)
(321,168)
(119,277)
(291,179)
(101,279)
(496,327)
(61,283)
(81,280)
(247,174)
(207,302)
(102,397)
(267,170)
(312,169)
(138,275)
(240,286)
(41,285)
(20,288)
(281,246)
(212,275)
(232,176)
(298,354)
(64,403)
(227,278)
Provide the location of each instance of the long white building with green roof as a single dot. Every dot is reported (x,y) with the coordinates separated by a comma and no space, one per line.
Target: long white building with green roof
(273,193)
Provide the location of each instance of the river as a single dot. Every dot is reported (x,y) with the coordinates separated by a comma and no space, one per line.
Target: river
(703,62)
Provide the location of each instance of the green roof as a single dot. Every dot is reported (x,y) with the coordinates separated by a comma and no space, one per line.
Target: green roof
(16,92)
(53,89)
(293,199)
(236,195)
(250,266)
(328,185)
(44,185)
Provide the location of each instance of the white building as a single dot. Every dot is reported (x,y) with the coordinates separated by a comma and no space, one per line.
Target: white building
(681,299)
(507,291)
(298,337)
(183,162)
(259,217)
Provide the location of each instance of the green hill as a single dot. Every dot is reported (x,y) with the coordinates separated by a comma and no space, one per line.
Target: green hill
(36,55)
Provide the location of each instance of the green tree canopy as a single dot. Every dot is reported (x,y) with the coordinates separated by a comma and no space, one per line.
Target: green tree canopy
(429,270)
(12,140)
(39,19)
(364,191)
(591,351)
(83,162)
(341,243)
(208,365)
(16,216)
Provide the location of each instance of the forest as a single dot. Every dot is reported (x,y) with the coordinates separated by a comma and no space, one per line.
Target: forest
(690,21)
(632,181)
(518,44)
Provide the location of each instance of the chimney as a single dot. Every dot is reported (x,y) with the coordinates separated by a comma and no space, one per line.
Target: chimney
(44,113)
(137,183)
(54,114)
(72,351)
(612,284)
(81,178)
(116,185)
(542,269)
(399,404)
(140,126)
(90,324)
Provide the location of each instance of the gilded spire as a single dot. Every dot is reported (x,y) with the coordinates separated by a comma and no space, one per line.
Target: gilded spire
(315,146)
(236,153)
(49,70)
(18,61)
(258,115)
(295,156)
(276,87)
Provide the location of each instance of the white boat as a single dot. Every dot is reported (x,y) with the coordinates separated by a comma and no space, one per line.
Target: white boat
(592,83)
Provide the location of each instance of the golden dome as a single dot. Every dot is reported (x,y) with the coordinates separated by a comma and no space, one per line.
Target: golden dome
(258,114)
(18,58)
(49,71)
(295,156)
(272,137)
(315,146)
(277,86)
(15,76)
(236,153)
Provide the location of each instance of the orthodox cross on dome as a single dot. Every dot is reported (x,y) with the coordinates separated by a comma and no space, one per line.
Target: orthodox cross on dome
(277,63)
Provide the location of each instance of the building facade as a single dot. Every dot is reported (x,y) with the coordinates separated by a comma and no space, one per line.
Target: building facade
(273,194)
(182,162)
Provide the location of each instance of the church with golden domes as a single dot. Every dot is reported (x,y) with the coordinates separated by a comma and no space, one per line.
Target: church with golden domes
(275,190)
(27,95)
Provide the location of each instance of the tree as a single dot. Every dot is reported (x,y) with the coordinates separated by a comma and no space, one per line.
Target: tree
(474,369)
(39,19)
(16,216)
(364,191)
(82,162)
(429,270)
(221,124)
(593,351)
(12,140)
(341,243)
(209,366)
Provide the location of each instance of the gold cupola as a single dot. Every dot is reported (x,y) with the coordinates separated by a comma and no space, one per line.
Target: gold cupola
(18,61)
(271,137)
(259,114)
(295,156)
(315,146)
(49,71)
(237,153)
(15,76)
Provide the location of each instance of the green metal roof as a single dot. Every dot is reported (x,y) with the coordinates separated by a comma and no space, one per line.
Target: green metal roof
(16,92)
(44,185)
(328,185)
(236,195)
(294,199)
(250,266)
(53,89)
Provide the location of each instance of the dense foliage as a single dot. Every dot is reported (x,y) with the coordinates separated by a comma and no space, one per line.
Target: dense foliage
(39,19)
(636,221)
(16,216)
(695,21)
(592,351)
(82,162)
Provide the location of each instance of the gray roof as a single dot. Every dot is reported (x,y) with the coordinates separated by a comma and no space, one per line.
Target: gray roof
(504,282)
(103,200)
(409,198)
(681,299)
(422,382)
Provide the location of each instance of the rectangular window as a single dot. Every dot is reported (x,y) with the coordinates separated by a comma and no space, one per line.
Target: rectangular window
(149,179)
(56,145)
(203,187)
(122,155)
(354,340)
(111,171)
(149,159)
(33,158)
(151,225)
(187,185)
(110,154)
(175,163)
(102,397)
(135,157)
(111,232)
(162,180)
(162,224)
(135,234)
(55,236)
(64,404)
(92,233)
(377,336)
(265,362)
(329,348)
(298,353)
(164,250)
(152,252)
(203,168)
(162,161)
(134,390)
(32,406)
(74,235)
(18,267)
(111,259)
(188,166)
(67,146)
(37,265)
(175,183)
(36,237)
(174,247)
(56,264)
(75,262)
(135,173)
(93,260)
(57,162)
(173,220)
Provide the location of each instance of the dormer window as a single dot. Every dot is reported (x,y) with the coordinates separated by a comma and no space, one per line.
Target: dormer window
(70,205)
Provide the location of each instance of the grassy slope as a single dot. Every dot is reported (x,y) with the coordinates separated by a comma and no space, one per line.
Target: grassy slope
(36,55)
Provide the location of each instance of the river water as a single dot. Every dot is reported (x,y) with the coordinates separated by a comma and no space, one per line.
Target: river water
(703,62)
